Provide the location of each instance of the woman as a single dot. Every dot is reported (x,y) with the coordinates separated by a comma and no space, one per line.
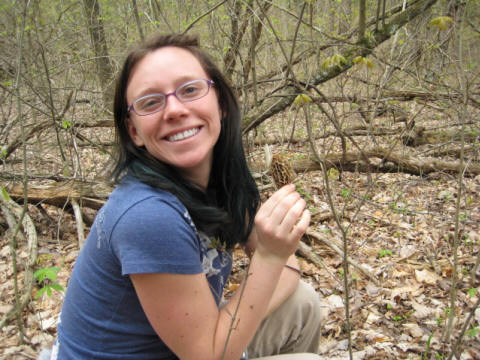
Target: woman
(148,282)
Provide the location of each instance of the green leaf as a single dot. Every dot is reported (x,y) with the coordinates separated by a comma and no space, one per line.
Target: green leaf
(302,99)
(360,60)
(39,275)
(345,193)
(49,273)
(66,124)
(338,60)
(384,252)
(333,173)
(473,331)
(5,194)
(334,60)
(441,22)
(40,292)
(57,287)
(472,292)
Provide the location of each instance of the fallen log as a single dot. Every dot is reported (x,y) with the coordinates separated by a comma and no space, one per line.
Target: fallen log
(380,160)
(419,136)
(359,130)
(92,195)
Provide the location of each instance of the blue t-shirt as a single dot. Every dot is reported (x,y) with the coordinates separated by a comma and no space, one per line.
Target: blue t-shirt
(139,230)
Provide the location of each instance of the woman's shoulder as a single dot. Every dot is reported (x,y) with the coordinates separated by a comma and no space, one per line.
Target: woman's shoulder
(133,200)
(131,191)
(135,207)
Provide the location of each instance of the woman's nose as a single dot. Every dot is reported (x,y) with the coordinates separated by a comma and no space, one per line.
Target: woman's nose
(174,108)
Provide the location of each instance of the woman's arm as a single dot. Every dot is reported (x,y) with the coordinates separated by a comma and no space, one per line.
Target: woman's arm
(287,283)
(182,310)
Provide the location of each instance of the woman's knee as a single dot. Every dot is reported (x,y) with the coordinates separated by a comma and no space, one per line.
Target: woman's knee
(308,301)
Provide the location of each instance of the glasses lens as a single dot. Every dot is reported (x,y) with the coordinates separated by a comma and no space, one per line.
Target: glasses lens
(192,90)
(149,104)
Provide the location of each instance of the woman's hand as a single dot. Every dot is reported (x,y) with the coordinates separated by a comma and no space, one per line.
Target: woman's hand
(280,223)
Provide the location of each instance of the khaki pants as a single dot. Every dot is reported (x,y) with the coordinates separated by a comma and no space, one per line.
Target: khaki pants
(292,330)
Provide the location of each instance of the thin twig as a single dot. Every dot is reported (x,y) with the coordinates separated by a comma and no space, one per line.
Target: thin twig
(461,170)
(339,224)
(17,218)
(234,316)
(339,251)
(464,329)
(203,15)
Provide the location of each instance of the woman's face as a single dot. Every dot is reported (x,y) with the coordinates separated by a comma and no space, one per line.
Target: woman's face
(182,134)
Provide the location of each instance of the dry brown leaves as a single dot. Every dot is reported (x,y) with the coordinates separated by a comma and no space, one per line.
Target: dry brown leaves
(401,228)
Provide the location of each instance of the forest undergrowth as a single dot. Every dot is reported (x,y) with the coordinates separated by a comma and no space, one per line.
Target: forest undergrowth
(400,229)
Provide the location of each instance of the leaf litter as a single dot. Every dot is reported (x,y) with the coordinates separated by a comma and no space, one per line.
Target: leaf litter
(403,235)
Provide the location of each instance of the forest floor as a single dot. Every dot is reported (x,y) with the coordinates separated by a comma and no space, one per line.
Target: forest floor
(400,227)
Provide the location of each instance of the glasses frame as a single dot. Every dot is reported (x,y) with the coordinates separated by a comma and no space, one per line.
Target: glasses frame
(210,83)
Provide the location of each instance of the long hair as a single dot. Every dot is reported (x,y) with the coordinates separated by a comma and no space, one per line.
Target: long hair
(228,206)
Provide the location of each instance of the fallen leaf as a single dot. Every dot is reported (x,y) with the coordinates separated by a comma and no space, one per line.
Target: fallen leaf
(407,251)
(427,277)
(335,301)
(233,287)
(308,268)
(373,336)
(372,290)
(406,291)
(422,311)
(372,318)
(414,330)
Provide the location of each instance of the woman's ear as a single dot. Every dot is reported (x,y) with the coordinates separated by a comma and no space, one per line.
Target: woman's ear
(132,131)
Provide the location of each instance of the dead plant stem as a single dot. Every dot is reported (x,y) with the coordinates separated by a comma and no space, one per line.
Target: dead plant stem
(234,316)
(339,224)
(13,243)
(462,332)
(461,170)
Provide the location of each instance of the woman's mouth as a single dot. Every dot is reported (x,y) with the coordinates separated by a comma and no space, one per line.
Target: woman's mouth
(184,134)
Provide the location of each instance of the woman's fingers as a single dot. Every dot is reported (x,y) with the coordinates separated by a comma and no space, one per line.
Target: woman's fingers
(270,219)
(292,216)
(301,227)
(281,222)
(269,205)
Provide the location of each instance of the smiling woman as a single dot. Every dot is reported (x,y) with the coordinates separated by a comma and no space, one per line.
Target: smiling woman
(149,280)
(178,133)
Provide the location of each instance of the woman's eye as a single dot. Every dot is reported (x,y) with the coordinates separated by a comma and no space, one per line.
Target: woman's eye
(190,90)
(151,103)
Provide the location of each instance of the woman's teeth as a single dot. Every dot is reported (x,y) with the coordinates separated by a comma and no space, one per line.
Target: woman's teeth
(183,135)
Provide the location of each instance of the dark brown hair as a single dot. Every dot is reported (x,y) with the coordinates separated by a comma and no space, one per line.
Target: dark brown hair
(228,206)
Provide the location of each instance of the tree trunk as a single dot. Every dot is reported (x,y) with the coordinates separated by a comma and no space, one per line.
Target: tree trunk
(99,43)
(137,19)
(237,32)
(362,15)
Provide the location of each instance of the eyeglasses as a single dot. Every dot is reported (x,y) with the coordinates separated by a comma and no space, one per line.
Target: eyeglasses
(189,91)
